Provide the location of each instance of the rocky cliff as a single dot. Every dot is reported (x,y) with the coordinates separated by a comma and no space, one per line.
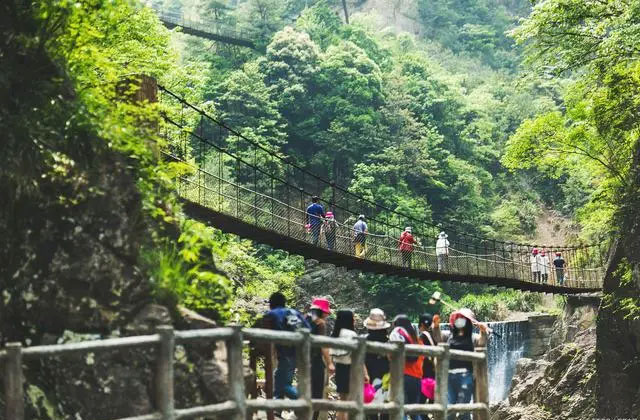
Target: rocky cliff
(561,384)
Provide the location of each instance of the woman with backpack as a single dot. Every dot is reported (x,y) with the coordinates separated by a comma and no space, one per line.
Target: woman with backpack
(404,332)
(344,328)
(377,364)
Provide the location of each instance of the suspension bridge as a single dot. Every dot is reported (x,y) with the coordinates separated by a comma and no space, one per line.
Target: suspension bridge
(208,29)
(248,189)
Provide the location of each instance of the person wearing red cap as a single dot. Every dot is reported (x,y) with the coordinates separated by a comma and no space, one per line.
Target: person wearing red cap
(461,337)
(559,264)
(406,246)
(330,227)
(536,263)
(320,357)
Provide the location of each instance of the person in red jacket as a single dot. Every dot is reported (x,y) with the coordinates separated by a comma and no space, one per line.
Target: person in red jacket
(406,246)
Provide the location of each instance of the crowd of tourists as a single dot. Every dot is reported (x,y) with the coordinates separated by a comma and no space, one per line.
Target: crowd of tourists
(318,223)
(419,372)
(542,266)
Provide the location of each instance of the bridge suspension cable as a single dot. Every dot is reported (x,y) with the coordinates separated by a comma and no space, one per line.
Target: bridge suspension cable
(236,177)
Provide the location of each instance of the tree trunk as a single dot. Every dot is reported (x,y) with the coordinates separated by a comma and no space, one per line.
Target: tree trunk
(618,334)
(346,12)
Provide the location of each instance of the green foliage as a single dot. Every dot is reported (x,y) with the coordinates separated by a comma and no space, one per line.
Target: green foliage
(496,306)
(397,295)
(184,271)
(474,26)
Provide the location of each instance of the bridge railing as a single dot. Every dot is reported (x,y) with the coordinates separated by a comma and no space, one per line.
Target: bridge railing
(207,26)
(238,407)
(237,176)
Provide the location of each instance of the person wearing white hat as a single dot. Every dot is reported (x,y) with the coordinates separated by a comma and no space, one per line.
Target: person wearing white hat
(442,251)
(377,365)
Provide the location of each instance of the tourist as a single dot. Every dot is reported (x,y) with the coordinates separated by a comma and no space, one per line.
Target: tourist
(461,337)
(534,260)
(344,328)
(377,364)
(279,317)
(559,264)
(330,228)
(428,365)
(406,246)
(442,251)
(360,231)
(314,216)
(403,331)
(320,357)
(545,266)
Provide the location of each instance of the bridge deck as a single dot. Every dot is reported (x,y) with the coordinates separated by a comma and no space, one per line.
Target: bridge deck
(247,230)
(213,30)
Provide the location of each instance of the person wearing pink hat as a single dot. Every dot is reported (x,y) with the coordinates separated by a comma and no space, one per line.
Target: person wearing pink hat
(330,227)
(536,264)
(320,357)
(545,266)
(461,337)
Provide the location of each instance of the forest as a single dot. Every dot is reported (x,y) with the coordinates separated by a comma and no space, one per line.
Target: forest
(514,120)
(440,124)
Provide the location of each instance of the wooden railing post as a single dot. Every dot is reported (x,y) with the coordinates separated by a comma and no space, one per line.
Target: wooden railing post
(268,375)
(397,382)
(481,388)
(14,393)
(164,373)
(442,380)
(356,380)
(236,373)
(303,361)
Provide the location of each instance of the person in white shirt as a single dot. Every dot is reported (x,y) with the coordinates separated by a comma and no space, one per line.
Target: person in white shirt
(344,328)
(442,251)
(545,266)
(536,264)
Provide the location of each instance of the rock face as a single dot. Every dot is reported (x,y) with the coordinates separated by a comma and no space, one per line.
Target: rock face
(77,277)
(541,328)
(560,385)
(340,284)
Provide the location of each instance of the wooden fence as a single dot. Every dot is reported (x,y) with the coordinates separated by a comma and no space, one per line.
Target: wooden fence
(241,408)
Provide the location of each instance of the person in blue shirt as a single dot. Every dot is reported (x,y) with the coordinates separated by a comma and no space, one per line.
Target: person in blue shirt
(360,231)
(315,217)
(281,318)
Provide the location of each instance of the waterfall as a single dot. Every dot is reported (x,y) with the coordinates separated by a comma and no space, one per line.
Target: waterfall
(503,352)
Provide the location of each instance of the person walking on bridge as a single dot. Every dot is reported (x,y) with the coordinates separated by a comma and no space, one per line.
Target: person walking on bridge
(314,218)
(545,266)
(406,246)
(559,263)
(442,251)
(360,231)
(330,229)
(536,262)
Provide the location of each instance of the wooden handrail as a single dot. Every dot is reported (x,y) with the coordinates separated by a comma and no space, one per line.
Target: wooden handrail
(238,407)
